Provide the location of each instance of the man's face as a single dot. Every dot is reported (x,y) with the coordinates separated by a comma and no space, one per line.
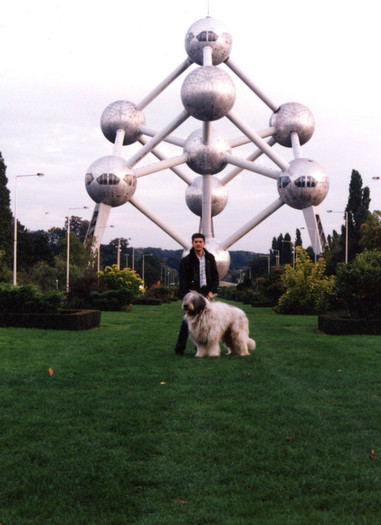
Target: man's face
(198,244)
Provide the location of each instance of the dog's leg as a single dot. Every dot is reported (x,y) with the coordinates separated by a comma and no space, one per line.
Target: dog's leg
(202,351)
(214,350)
(251,343)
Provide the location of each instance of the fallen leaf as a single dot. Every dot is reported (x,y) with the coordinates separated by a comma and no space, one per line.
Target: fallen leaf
(289,438)
(162,383)
(373,455)
(51,371)
(181,501)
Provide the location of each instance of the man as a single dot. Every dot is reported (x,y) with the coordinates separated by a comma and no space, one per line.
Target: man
(198,272)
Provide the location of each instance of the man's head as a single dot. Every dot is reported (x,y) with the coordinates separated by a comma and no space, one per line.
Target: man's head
(198,243)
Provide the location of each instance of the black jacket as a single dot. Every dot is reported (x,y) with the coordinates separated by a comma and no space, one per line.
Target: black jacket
(189,274)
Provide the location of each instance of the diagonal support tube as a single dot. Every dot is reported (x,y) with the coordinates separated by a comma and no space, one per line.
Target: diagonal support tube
(160,135)
(165,83)
(258,140)
(156,219)
(252,224)
(238,71)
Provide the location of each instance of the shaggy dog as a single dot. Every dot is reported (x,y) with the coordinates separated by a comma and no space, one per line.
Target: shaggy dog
(212,322)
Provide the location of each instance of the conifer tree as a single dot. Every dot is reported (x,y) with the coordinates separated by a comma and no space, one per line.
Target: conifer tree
(6,218)
(358,212)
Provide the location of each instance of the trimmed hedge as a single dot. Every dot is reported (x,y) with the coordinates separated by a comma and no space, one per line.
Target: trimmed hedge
(63,320)
(337,325)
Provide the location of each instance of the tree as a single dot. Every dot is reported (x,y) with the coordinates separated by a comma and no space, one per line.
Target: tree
(6,219)
(308,289)
(358,285)
(370,232)
(298,238)
(358,211)
(286,250)
(78,226)
(332,252)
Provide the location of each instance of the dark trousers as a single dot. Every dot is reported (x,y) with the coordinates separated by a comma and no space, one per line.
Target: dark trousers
(182,338)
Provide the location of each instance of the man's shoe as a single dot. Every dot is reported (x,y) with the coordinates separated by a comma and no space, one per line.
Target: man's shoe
(179,351)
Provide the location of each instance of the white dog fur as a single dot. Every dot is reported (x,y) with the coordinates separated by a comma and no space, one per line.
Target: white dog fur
(210,322)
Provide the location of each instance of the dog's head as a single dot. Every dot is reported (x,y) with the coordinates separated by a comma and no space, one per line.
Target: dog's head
(193,303)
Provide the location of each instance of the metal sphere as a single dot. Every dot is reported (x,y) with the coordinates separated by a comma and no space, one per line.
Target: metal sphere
(303,184)
(206,159)
(208,32)
(193,196)
(122,115)
(208,93)
(109,180)
(292,117)
(221,255)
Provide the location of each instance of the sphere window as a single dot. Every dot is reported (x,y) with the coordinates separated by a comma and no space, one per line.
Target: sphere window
(207,36)
(108,179)
(129,180)
(283,182)
(305,182)
(89,178)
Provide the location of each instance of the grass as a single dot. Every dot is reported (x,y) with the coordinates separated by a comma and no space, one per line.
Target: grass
(125,432)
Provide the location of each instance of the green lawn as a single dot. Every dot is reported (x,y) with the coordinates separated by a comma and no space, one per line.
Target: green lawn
(125,432)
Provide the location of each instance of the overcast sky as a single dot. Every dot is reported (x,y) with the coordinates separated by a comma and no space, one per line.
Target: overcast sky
(63,62)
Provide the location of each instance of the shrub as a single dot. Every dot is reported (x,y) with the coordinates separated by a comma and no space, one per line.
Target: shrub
(28,299)
(308,290)
(115,279)
(113,289)
(111,300)
(164,294)
(358,285)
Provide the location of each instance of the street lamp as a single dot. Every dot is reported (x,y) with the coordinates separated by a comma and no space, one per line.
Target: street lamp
(68,244)
(15,225)
(119,249)
(144,255)
(277,257)
(346,231)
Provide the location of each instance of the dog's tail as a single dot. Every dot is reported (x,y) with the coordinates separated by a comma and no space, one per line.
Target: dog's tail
(251,344)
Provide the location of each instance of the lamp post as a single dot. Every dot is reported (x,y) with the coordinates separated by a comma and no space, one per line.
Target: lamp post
(118,254)
(68,245)
(346,231)
(144,255)
(119,249)
(15,225)
(277,257)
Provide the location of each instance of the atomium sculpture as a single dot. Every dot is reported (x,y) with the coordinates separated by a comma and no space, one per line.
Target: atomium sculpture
(208,94)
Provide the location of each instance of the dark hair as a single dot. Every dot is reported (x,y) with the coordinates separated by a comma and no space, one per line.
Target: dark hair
(198,236)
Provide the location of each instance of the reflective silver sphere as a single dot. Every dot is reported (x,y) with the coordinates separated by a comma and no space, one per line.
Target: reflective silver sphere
(208,93)
(109,180)
(292,117)
(221,255)
(206,159)
(122,115)
(303,184)
(208,32)
(193,196)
